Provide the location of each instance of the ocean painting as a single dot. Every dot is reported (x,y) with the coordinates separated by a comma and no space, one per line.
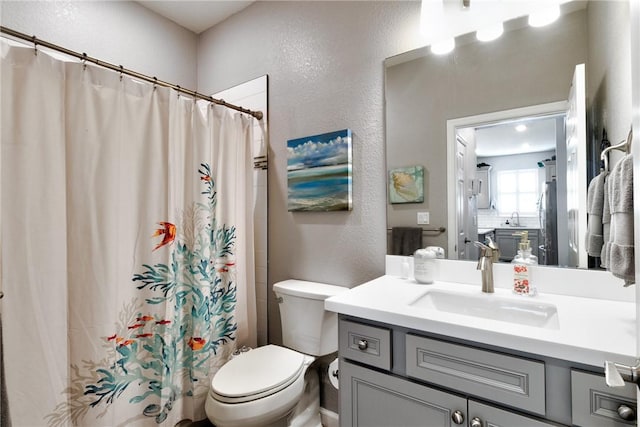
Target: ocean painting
(319,172)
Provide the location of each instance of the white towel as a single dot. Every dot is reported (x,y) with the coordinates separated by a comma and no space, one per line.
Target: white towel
(595,206)
(619,247)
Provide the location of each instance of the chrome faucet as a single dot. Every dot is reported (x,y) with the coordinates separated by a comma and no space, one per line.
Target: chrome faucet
(488,254)
(517,222)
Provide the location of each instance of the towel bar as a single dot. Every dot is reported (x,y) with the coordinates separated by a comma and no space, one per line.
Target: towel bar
(434,229)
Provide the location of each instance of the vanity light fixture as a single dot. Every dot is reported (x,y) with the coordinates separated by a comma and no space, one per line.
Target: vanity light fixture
(443,46)
(544,17)
(432,25)
(490,33)
(521,127)
(431,18)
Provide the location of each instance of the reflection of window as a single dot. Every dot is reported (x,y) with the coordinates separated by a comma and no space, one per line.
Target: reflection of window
(517,191)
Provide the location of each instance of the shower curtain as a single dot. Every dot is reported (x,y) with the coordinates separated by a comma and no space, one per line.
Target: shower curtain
(127,244)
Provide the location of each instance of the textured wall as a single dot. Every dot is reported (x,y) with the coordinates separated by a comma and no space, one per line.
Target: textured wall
(609,88)
(123,33)
(325,67)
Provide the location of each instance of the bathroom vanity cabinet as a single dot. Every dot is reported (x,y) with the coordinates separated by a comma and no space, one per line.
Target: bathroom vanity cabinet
(394,376)
(508,243)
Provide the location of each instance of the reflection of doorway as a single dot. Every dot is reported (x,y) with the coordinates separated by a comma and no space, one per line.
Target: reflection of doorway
(473,127)
(466,207)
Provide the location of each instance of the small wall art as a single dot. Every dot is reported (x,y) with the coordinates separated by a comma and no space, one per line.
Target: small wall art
(406,185)
(319,172)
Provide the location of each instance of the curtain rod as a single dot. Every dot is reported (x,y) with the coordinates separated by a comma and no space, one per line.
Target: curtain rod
(119,68)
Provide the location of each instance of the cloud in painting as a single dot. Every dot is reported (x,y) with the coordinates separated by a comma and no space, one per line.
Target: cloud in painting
(313,153)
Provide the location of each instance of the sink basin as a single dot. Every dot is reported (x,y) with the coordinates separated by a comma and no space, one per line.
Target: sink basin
(491,306)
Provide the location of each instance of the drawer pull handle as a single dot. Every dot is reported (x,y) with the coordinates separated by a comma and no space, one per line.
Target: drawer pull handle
(363,345)
(475,422)
(457,417)
(626,413)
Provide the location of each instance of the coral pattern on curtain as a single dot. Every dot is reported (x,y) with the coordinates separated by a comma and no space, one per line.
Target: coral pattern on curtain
(127,245)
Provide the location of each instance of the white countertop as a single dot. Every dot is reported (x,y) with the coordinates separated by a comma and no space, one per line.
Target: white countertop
(590,330)
(486,230)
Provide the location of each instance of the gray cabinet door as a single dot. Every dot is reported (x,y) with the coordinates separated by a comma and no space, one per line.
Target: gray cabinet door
(490,416)
(508,244)
(372,399)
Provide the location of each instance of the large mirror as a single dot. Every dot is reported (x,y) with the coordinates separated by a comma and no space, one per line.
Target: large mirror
(502,137)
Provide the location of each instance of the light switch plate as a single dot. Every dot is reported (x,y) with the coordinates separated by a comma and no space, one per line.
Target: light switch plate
(423,218)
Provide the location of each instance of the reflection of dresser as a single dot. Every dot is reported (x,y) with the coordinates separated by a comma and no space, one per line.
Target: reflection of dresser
(484,233)
(483,192)
(508,243)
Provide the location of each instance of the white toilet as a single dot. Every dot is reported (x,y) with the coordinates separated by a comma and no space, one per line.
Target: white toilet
(271,385)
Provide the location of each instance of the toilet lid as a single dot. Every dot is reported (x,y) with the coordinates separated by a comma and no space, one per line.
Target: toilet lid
(261,371)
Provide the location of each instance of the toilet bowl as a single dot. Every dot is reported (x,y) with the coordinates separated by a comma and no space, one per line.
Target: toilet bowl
(273,385)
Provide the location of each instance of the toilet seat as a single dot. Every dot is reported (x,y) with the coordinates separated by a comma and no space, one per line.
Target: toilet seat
(256,374)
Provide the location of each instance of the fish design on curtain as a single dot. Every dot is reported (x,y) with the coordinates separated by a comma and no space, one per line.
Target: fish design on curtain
(165,356)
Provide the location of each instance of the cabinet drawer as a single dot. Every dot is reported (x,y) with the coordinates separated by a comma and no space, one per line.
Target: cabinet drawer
(365,344)
(509,380)
(593,403)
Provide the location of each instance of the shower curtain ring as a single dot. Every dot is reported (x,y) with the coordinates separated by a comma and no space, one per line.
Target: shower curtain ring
(34,40)
(179,89)
(121,72)
(84,60)
(155,83)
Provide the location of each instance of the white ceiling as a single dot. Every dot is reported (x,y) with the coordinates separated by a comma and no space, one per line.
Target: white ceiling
(502,139)
(196,16)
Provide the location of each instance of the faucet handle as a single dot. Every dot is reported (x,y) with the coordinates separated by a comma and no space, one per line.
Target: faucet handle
(485,251)
(480,245)
(494,248)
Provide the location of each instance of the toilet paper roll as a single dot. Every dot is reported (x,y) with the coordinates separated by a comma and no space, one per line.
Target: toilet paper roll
(333,373)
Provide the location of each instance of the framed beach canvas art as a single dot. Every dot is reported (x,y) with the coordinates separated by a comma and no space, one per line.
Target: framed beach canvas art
(319,172)
(406,185)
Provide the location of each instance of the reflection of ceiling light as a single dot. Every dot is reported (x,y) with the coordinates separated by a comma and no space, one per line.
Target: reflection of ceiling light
(521,128)
(444,46)
(490,33)
(544,17)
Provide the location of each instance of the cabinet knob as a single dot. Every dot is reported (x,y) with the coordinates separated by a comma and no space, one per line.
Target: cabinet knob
(626,413)
(363,344)
(475,422)
(457,417)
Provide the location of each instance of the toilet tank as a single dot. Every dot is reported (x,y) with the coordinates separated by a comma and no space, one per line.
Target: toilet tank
(306,326)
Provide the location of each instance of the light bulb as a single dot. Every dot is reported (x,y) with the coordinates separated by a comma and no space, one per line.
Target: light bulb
(490,33)
(444,46)
(544,17)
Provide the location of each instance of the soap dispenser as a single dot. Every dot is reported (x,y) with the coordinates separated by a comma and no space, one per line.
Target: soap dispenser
(424,265)
(523,264)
